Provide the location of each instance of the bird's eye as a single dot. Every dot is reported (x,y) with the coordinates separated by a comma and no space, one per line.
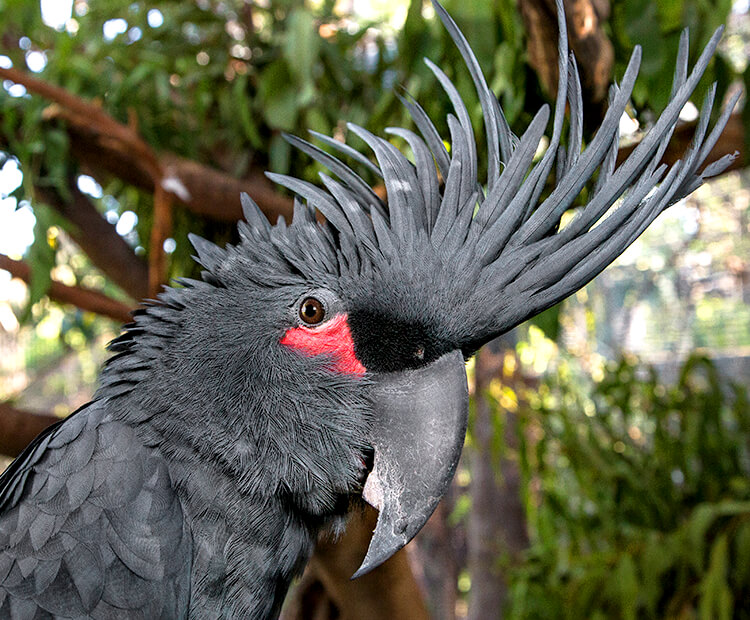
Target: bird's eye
(311,311)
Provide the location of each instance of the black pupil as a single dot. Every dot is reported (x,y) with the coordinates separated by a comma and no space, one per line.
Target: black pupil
(311,311)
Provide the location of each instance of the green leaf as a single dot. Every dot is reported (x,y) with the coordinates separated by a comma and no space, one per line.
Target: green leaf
(316,120)
(549,322)
(696,529)
(301,50)
(670,14)
(279,154)
(138,75)
(741,567)
(658,556)
(627,585)
(278,96)
(460,510)
(242,106)
(716,597)
(40,258)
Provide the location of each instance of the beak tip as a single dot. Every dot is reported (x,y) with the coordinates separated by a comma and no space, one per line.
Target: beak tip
(374,558)
(362,570)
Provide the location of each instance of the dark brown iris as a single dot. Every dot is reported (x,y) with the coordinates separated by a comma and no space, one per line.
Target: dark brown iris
(311,311)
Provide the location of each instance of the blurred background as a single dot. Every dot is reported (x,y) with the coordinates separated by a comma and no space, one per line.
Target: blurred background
(606,473)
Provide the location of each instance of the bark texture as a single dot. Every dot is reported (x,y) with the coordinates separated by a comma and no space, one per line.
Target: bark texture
(588,41)
(497,521)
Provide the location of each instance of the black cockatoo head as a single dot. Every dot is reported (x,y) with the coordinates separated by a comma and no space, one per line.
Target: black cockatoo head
(356,330)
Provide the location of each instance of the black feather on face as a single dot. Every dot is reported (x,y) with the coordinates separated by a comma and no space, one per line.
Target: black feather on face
(251,403)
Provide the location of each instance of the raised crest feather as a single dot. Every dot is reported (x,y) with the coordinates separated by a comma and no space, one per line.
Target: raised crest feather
(511,231)
(210,255)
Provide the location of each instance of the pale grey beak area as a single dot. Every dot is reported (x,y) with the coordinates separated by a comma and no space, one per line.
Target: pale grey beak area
(419,429)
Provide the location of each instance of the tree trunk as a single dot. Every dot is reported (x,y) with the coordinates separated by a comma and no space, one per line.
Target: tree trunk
(497,522)
(439,552)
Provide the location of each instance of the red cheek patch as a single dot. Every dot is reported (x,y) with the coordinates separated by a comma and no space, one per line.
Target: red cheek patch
(332,338)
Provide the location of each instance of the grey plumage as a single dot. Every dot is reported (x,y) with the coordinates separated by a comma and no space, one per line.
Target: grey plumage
(214,453)
(93,528)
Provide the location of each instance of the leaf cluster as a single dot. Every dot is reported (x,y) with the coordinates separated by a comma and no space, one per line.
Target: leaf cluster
(639,500)
(656,27)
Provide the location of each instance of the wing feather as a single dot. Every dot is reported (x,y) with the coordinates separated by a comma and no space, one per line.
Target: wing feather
(89,523)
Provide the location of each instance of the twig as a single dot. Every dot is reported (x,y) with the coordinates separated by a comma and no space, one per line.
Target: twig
(161,228)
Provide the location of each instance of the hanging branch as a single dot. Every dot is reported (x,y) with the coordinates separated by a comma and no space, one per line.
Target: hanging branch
(80,297)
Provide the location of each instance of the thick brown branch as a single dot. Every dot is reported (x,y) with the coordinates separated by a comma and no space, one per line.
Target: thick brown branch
(593,50)
(389,591)
(104,145)
(99,240)
(207,191)
(94,116)
(18,428)
(80,297)
(216,194)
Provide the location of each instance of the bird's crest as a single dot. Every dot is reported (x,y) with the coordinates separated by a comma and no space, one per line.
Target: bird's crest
(499,227)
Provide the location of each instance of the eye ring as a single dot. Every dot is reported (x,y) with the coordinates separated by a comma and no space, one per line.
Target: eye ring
(311,311)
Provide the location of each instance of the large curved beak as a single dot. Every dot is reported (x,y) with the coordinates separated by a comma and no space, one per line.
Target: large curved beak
(418,433)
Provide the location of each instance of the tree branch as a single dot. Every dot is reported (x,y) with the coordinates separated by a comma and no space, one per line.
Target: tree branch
(440,550)
(83,298)
(593,50)
(18,428)
(105,145)
(216,195)
(99,239)
(94,115)
(389,591)
(161,228)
